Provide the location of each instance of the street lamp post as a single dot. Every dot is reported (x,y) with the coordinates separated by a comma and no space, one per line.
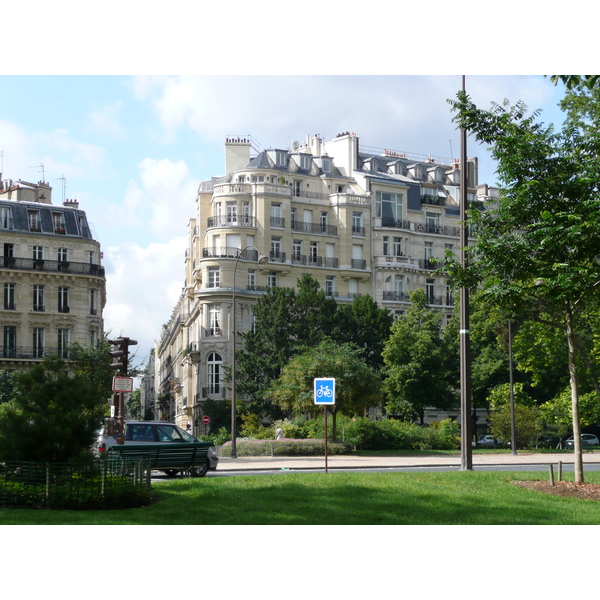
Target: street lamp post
(261,261)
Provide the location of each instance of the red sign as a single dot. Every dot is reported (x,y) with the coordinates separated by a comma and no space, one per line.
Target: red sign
(206,420)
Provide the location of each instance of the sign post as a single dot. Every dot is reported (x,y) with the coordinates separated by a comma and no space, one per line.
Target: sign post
(324,393)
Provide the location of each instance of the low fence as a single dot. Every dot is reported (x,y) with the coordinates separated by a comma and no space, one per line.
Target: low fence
(102,484)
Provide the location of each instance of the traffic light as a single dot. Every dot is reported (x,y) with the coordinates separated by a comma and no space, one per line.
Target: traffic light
(120,354)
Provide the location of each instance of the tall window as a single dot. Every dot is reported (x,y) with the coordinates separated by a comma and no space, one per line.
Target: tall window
(251,279)
(214,279)
(276,216)
(93,302)
(313,253)
(33,218)
(58,223)
(10,296)
(272,279)
(63,299)
(231,213)
(357,226)
(63,254)
(433,221)
(38,253)
(276,254)
(353,287)
(214,368)
(214,319)
(64,336)
(323,221)
(430,291)
(397,246)
(6,221)
(330,285)
(10,341)
(388,206)
(38,342)
(38,298)
(296,249)
(428,250)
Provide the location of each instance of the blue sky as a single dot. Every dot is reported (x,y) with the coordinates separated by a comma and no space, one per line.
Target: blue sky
(133,150)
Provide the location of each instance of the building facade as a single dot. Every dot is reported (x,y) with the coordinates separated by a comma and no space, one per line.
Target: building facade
(52,280)
(359,220)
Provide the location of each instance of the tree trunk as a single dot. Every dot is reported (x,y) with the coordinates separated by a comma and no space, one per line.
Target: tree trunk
(578,458)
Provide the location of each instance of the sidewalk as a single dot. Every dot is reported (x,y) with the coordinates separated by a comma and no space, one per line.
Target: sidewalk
(358,462)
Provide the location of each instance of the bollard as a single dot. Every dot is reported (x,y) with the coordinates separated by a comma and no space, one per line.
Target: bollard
(560,470)
(551,469)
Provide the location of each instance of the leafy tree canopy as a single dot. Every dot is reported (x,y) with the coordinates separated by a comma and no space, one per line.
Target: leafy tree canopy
(357,386)
(415,356)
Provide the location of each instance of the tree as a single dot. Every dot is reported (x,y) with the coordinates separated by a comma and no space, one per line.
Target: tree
(357,386)
(557,413)
(416,361)
(52,416)
(365,325)
(527,424)
(536,249)
(287,322)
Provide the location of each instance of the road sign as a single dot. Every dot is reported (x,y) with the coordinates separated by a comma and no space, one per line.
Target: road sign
(324,390)
(122,384)
(206,420)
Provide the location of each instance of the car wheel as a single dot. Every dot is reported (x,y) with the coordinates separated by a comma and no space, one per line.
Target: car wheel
(171,472)
(199,471)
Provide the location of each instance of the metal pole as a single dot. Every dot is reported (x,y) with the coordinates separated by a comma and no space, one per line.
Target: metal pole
(513,427)
(466,450)
(325,425)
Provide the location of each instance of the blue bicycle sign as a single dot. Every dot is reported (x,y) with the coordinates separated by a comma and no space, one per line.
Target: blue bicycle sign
(324,390)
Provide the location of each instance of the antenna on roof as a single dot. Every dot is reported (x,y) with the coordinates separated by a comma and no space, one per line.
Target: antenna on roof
(64,187)
(41,167)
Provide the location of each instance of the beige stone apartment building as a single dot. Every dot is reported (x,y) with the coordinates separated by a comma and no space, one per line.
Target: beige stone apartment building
(51,277)
(360,220)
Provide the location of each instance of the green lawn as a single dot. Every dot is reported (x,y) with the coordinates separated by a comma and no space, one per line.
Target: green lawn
(467,497)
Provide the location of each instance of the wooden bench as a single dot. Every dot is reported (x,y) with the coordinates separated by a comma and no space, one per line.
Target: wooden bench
(170,457)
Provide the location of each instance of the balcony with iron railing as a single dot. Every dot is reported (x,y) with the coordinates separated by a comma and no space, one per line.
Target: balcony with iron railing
(278,222)
(358,231)
(276,256)
(245,221)
(51,266)
(317,228)
(32,352)
(432,228)
(217,391)
(230,252)
(358,263)
(315,261)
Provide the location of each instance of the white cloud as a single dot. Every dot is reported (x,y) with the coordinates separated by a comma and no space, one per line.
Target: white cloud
(143,286)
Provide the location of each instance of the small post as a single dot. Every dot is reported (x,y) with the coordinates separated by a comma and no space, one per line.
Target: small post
(551,470)
(560,470)
(325,424)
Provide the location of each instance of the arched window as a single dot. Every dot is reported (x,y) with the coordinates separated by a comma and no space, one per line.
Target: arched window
(214,369)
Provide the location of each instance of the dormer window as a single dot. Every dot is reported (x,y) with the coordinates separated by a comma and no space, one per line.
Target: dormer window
(305,160)
(58,223)
(33,218)
(281,158)
(327,165)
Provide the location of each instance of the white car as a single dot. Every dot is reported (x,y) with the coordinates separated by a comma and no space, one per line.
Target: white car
(488,441)
(152,432)
(587,439)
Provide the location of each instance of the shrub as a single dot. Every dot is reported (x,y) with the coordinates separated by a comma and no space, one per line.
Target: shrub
(286,447)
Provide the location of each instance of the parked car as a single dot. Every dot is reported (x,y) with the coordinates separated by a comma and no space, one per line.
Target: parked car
(587,440)
(488,441)
(152,432)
